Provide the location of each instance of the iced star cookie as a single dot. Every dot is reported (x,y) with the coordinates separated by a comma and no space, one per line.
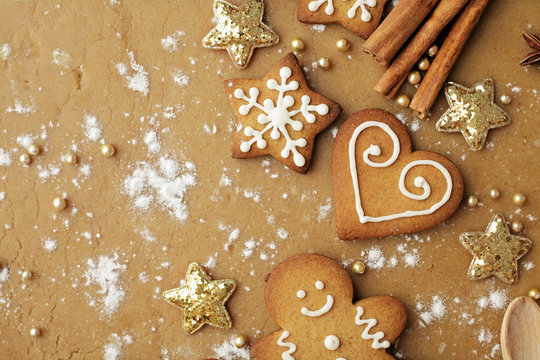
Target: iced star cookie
(279,115)
(360,16)
(310,297)
(382,187)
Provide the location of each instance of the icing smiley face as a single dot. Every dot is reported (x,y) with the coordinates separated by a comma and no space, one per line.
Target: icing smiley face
(319,285)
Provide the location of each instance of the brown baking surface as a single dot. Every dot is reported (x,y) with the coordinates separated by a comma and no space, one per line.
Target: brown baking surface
(243,216)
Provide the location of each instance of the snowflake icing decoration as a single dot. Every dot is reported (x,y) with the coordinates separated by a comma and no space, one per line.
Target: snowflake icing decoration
(277,116)
(329,9)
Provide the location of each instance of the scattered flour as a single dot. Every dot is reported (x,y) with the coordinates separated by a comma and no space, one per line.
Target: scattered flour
(113,350)
(170,42)
(4,274)
(151,140)
(165,184)
(436,311)
(106,274)
(485,336)
(25,140)
(324,210)
(20,109)
(228,351)
(61,58)
(5,158)
(5,50)
(137,79)
(375,258)
(180,78)
(282,233)
(319,27)
(49,244)
(92,128)
(496,299)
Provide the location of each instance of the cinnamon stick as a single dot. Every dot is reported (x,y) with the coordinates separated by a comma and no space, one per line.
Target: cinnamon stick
(392,79)
(398,26)
(438,72)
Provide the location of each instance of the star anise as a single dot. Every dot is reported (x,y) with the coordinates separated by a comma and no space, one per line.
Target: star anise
(534,42)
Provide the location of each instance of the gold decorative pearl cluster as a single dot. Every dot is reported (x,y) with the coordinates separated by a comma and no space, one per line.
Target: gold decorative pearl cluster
(324,62)
(534,293)
(108,150)
(415,77)
(32,150)
(59,203)
(240,341)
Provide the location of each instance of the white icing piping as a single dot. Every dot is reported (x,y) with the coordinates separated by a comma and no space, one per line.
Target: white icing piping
(316,4)
(369,324)
(315,313)
(277,116)
(366,16)
(286,355)
(419,181)
(329,9)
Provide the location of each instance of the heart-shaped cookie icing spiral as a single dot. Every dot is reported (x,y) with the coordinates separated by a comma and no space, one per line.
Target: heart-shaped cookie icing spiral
(407,211)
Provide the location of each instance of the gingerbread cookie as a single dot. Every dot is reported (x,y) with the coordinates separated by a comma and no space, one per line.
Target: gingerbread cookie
(360,16)
(310,298)
(279,115)
(382,187)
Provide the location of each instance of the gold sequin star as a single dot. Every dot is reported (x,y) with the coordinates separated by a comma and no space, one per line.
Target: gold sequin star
(240,30)
(202,300)
(473,112)
(496,251)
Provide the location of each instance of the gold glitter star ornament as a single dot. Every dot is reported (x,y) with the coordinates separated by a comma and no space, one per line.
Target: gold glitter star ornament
(240,30)
(496,251)
(202,300)
(472,112)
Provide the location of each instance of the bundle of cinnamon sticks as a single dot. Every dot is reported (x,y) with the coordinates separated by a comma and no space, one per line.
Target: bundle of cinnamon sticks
(428,18)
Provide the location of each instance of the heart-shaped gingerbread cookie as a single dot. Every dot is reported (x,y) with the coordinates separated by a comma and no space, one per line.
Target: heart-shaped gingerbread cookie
(382,187)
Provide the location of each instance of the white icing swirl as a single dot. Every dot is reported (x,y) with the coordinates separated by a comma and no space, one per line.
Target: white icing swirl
(286,355)
(420,182)
(316,313)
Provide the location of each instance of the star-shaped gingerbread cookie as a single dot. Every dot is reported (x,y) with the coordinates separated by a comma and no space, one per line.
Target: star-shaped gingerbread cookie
(360,16)
(240,30)
(472,112)
(202,300)
(279,115)
(310,297)
(496,251)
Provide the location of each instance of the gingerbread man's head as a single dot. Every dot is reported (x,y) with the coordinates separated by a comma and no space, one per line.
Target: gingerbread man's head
(310,298)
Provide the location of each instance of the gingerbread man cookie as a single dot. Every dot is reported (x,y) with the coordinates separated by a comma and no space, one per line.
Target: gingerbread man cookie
(279,115)
(382,187)
(310,297)
(360,16)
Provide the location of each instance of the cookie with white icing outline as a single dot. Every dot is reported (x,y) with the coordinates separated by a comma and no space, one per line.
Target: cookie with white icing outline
(310,297)
(362,17)
(279,115)
(382,187)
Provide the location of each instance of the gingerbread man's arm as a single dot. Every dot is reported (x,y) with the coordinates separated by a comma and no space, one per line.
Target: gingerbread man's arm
(390,316)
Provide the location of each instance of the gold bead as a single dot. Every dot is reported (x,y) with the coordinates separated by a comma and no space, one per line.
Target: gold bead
(433,50)
(59,203)
(343,45)
(424,64)
(359,267)
(324,63)
(506,99)
(494,193)
(108,150)
(25,159)
(70,158)
(34,149)
(403,101)
(35,332)
(472,201)
(27,275)
(517,226)
(414,77)
(240,341)
(297,44)
(534,293)
(519,199)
